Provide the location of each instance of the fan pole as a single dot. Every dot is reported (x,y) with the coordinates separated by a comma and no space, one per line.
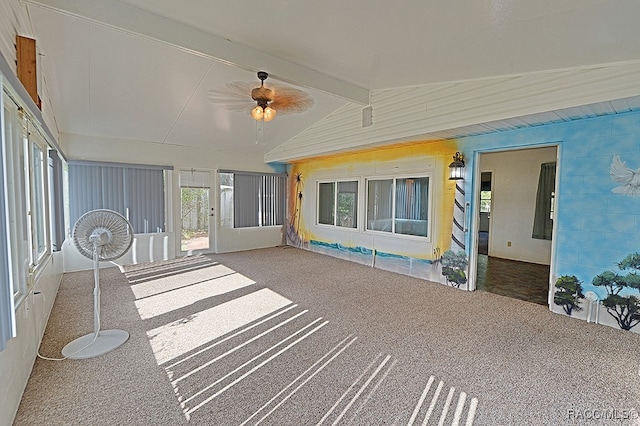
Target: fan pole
(98,342)
(96,291)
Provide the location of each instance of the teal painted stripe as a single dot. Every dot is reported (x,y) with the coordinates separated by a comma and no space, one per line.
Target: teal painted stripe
(339,246)
(364,250)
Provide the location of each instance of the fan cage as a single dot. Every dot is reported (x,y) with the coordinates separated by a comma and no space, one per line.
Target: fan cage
(102,220)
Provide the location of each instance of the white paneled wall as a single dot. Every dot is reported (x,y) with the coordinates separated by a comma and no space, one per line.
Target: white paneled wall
(14,20)
(16,361)
(469,107)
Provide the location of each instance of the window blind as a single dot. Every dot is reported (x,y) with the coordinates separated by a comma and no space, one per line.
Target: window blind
(136,193)
(258,199)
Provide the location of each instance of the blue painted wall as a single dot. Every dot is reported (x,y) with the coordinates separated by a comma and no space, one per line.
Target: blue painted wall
(595,227)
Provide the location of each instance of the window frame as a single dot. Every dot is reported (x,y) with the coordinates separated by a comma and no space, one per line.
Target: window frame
(393,218)
(16,195)
(37,201)
(482,210)
(336,193)
(11,290)
(268,198)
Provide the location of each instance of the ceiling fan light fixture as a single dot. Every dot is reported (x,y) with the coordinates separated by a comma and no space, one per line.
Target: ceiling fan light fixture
(269,114)
(257,113)
(267,101)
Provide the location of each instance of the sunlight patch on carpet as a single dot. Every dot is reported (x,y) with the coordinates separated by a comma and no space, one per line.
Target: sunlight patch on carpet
(177,280)
(175,299)
(181,336)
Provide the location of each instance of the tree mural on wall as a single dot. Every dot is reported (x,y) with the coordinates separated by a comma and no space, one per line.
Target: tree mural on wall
(568,293)
(298,200)
(625,309)
(293,228)
(454,265)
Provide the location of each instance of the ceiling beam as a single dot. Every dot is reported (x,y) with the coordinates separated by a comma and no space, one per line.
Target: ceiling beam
(122,16)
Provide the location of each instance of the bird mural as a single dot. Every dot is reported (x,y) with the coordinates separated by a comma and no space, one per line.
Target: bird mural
(628,178)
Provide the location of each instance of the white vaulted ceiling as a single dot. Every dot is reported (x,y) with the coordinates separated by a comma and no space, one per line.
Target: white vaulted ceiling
(140,71)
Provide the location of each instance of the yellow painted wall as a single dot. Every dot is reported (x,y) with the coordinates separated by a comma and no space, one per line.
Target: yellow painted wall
(441,152)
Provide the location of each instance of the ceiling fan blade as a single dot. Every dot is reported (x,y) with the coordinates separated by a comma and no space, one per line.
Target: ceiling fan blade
(235,96)
(289,100)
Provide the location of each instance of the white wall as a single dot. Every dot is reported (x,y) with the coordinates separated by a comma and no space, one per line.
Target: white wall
(145,248)
(238,239)
(32,313)
(515,183)
(16,361)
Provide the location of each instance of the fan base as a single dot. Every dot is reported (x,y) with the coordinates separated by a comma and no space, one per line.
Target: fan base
(106,341)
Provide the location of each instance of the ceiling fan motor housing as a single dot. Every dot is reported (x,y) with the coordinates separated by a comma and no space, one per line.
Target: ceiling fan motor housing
(262,95)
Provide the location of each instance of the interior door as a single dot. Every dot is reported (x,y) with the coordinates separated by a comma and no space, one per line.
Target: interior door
(197,212)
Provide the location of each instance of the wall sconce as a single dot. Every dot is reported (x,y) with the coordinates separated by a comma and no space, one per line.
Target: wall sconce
(456,168)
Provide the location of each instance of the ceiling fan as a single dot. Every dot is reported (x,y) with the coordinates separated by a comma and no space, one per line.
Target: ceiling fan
(263,102)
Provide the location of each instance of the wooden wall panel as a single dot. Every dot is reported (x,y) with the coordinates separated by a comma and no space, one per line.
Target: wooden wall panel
(27,66)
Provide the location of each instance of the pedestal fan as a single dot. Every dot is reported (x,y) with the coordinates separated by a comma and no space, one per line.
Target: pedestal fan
(100,235)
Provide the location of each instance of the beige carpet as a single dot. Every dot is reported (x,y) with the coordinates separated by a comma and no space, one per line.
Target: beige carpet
(284,336)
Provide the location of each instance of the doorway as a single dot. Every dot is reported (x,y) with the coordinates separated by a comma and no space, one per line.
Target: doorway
(485,212)
(196,212)
(509,260)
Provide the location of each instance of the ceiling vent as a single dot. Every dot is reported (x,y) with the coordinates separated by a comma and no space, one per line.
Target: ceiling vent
(367,116)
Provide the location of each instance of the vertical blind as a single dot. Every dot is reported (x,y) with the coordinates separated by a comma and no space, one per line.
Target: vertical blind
(258,199)
(134,192)
(326,198)
(57,203)
(379,204)
(412,198)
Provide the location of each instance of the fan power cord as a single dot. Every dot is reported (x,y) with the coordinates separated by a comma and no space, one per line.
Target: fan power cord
(95,336)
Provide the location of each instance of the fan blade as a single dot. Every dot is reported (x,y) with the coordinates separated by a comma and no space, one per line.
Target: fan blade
(288,100)
(234,96)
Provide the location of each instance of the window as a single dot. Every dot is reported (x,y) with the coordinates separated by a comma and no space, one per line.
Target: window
(8,288)
(252,199)
(24,205)
(136,192)
(39,241)
(485,201)
(16,198)
(398,205)
(338,207)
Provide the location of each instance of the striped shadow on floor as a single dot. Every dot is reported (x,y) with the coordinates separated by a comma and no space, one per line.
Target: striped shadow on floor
(266,360)
(436,405)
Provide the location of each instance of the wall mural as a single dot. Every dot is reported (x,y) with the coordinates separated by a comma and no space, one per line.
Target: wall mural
(596,260)
(622,286)
(294,235)
(442,260)
(628,178)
